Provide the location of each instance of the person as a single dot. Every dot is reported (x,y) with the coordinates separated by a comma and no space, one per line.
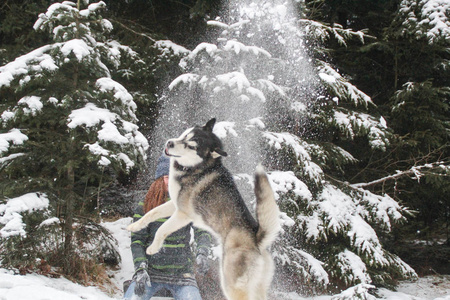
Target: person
(172,268)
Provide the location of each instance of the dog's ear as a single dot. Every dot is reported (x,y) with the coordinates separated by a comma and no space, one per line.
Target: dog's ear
(210,125)
(218,152)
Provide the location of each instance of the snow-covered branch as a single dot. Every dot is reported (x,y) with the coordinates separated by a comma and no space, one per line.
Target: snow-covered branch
(415,172)
(324,31)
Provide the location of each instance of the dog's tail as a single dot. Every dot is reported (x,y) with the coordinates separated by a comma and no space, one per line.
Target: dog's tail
(267,212)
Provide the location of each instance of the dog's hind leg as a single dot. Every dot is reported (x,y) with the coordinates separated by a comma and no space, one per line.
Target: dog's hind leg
(237,294)
(263,276)
(235,279)
(161,211)
(175,222)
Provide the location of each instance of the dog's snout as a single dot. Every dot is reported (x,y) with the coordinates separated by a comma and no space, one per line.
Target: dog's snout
(170,144)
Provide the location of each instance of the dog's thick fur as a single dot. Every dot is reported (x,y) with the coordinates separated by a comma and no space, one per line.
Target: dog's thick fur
(203,192)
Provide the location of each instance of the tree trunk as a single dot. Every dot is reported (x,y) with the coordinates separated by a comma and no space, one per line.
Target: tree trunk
(68,225)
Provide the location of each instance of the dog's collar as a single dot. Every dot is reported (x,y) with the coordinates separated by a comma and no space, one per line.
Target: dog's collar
(182,168)
(202,167)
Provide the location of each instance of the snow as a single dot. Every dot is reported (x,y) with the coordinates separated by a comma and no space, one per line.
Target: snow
(10,212)
(21,65)
(357,292)
(235,81)
(49,222)
(276,140)
(383,207)
(166,46)
(310,267)
(78,47)
(257,122)
(218,24)
(10,157)
(39,287)
(189,78)
(365,239)
(270,86)
(222,129)
(126,267)
(327,78)
(106,84)
(352,265)
(7,115)
(110,133)
(356,124)
(298,106)
(90,115)
(286,181)
(209,48)
(92,8)
(337,207)
(340,86)
(427,19)
(53,10)
(14,136)
(256,94)
(33,104)
(238,47)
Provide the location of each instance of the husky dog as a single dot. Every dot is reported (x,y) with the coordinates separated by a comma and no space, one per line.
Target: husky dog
(203,192)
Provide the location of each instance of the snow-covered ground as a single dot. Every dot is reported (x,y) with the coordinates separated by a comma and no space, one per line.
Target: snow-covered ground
(37,287)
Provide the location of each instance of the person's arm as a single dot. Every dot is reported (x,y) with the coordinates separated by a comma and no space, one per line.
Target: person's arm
(139,242)
(204,242)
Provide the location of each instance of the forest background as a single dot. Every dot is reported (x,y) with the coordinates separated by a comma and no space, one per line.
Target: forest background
(388,54)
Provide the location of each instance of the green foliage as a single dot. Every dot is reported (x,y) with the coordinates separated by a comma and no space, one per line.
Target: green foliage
(405,72)
(69,129)
(372,127)
(423,20)
(421,112)
(44,243)
(332,227)
(17,18)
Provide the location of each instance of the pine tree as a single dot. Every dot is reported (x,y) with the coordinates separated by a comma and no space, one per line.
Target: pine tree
(420,109)
(66,130)
(414,169)
(404,68)
(422,29)
(308,120)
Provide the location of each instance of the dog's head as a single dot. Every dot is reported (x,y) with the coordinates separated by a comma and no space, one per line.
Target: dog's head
(195,145)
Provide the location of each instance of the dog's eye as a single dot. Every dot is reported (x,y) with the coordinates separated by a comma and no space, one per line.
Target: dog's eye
(192,147)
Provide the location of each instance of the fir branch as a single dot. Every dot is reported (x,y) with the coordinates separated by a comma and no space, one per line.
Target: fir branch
(325,31)
(415,172)
(134,31)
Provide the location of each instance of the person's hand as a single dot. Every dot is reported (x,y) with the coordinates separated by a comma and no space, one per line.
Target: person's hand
(202,263)
(142,279)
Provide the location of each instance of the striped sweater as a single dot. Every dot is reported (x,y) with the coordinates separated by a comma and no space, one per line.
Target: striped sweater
(173,264)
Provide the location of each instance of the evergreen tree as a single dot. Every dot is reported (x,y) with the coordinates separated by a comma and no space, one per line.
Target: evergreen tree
(420,114)
(420,106)
(66,129)
(309,120)
(404,68)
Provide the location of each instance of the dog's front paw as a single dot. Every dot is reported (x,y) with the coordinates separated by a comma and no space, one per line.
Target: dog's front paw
(152,249)
(136,226)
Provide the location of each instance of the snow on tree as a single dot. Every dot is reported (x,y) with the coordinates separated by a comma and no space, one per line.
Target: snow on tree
(425,19)
(425,26)
(420,106)
(279,106)
(66,129)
